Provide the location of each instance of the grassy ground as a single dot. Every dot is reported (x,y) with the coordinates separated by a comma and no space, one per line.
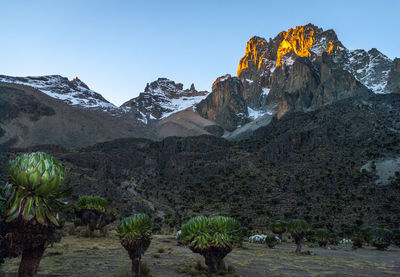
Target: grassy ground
(75,256)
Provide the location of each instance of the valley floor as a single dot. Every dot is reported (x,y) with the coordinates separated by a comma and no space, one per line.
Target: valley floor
(105,257)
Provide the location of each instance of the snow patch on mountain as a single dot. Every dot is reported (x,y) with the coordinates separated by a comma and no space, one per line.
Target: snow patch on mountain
(370,68)
(255,114)
(162,98)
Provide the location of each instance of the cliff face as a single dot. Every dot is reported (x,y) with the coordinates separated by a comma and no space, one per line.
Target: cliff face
(225,105)
(394,77)
(306,85)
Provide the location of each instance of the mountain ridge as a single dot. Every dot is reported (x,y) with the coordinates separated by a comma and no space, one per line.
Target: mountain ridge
(301,69)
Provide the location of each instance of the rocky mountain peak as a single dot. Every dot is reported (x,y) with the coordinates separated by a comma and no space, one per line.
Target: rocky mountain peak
(162,98)
(221,79)
(78,82)
(258,68)
(225,105)
(254,54)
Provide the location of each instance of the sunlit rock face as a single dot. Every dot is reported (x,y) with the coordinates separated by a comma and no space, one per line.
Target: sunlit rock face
(262,57)
(288,63)
(225,105)
(394,77)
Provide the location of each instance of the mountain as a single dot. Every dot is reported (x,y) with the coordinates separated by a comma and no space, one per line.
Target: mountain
(74,92)
(31,117)
(300,70)
(308,129)
(297,64)
(162,98)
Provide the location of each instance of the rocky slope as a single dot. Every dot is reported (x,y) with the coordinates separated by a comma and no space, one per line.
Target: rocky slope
(394,77)
(305,165)
(162,98)
(29,117)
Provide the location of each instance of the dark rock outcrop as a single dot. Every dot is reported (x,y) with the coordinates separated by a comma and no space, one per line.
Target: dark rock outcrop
(394,77)
(225,105)
(308,85)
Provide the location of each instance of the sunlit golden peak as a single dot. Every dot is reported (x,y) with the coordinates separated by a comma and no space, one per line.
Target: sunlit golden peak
(253,53)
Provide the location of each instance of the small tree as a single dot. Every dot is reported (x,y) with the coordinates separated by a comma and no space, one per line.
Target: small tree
(92,211)
(298,228)
(213,238)
(33,200)
(135,236)
(322,236)
(278,227)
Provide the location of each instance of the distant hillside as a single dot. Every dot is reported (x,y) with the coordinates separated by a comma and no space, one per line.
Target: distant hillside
(29,117)
(323,166)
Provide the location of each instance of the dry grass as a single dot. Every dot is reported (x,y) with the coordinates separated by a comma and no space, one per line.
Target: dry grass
(75,256)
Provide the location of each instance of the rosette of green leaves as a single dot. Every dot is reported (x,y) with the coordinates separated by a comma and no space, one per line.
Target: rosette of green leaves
(271,240)
(380,237)
(135,227)
(278,227)
(33,188)
(93,203)
(201,232)
(297,227)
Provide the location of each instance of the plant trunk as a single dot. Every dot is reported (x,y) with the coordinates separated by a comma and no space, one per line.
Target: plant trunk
(136,266)
(298,248)
(211,262)
(30,261)
(221,265)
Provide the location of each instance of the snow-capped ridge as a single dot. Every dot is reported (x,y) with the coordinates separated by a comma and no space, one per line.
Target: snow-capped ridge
(74,92)
(162,98)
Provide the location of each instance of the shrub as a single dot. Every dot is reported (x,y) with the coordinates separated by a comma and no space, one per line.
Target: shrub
(380,238)
(92,211)
(396,237)
(278,227)
(213,238)
(357,242)
(272,240)
(321,236)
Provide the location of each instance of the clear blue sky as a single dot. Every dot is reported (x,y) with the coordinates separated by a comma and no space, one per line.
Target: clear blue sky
(116,47)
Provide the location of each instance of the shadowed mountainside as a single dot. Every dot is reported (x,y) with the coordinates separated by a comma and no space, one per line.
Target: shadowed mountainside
(29,117)
(304,165)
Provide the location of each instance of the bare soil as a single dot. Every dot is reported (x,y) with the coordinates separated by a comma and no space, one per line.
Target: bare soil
(75,256)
